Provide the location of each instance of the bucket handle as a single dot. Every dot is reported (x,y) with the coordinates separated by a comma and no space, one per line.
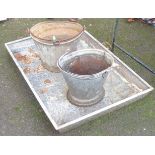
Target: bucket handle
(56,43)
(115,65)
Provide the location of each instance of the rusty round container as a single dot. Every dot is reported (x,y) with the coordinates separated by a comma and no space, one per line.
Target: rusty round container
(53,39)
(85,72)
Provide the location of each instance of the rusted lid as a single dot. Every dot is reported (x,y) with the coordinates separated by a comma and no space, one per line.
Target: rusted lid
(56,31)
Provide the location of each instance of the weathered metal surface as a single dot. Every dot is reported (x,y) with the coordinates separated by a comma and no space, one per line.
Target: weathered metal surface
(65,35)
(50,54)
(85,72)
(122,86)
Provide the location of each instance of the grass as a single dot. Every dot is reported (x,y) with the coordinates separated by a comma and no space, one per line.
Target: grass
(135,119)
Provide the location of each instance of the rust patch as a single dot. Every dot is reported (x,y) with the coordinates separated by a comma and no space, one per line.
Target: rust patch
(33,53)
(23,58)
(18,56)
(40,68)
(44,90)
(27,70)
(47,81)
(88,65)
(27,59)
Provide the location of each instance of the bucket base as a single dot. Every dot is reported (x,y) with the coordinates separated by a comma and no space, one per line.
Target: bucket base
(50,68)
(85,103)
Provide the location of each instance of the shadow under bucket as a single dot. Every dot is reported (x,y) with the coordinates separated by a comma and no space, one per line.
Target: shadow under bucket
(85,72)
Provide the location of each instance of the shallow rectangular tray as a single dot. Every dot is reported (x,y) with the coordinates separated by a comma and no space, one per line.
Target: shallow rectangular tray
(122,86)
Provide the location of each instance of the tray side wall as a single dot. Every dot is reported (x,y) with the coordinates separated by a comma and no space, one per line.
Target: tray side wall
(120,61)
(31,87)
(105,111)
(91,116)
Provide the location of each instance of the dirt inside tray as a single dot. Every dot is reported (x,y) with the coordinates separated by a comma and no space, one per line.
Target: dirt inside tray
(87,65)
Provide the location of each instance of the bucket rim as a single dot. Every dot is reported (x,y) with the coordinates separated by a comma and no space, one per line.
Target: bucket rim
(64,41)
(92,76)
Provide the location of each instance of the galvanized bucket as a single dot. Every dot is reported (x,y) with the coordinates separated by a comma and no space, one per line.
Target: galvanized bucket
(53,39)
(85,72)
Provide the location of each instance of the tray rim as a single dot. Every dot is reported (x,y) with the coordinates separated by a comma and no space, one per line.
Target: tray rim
(87,116)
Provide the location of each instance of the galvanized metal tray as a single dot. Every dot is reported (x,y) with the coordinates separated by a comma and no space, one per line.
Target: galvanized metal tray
(122,86)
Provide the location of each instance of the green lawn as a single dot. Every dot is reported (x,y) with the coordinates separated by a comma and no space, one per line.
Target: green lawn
(20,113)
